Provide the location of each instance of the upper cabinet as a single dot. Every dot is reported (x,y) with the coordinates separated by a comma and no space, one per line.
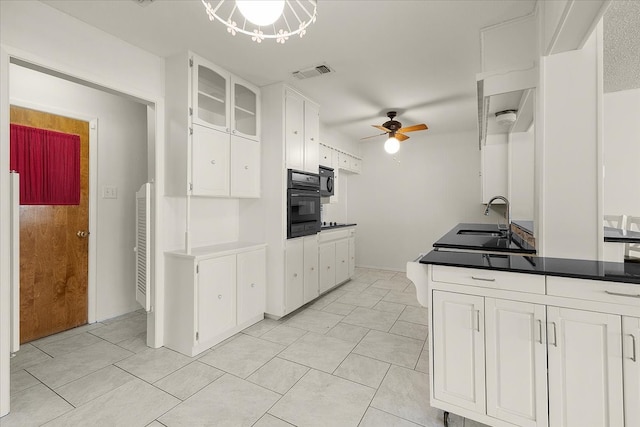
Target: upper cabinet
(335,158)
(302,126)
(213,130)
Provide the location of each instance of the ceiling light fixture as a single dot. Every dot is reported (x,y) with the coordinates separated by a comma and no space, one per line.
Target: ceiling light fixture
(392,145)
(264,19)
(506,117)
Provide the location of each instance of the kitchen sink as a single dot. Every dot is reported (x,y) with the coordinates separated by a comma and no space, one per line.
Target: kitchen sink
(488,233)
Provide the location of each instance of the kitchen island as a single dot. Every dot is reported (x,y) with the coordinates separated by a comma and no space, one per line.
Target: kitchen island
(530,341)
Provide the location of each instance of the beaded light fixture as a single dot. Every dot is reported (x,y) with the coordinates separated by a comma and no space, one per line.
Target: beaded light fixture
(264,19)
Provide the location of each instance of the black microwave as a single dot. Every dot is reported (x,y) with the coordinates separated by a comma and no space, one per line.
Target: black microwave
(326,181)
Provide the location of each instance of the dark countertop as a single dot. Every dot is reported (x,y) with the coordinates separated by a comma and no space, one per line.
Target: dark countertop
(561,267)
(617,235)
(331,227)
(453,240)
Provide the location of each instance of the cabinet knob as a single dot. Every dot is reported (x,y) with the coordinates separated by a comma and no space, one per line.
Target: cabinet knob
(219,296)
(295,132)
(328,267)
(313,268)
(312,139)
(213,162)
(233,131)
(343,261)
(295,274)
(227,129)
(246,167)
(253,285)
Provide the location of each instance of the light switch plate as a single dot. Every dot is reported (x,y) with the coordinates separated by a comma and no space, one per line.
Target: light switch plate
(109,192)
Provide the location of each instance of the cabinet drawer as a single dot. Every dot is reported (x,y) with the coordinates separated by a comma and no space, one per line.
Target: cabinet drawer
(519,282)
(327,236)
(594,290)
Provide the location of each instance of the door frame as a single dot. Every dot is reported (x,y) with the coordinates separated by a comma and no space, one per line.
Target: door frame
(155,145)
(92,299)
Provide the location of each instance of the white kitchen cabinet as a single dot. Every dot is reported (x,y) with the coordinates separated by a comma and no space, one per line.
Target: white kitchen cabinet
(310,264)
(352,253)
(245,167)
(212,293)
(342,261)
(216,297)
(327,266)
(294,275)
(251,284)
(326,156)
(631,369)
(516,362)
(458,330)
(210,162)
(302,125)
(585,370)
(210,113)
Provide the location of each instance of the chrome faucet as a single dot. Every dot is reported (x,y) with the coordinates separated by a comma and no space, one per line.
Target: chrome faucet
(508,212)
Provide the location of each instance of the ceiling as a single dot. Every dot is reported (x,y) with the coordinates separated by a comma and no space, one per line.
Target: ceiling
(417,57)
(622,46)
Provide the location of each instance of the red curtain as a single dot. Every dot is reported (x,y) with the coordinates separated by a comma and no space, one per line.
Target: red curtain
(49,166)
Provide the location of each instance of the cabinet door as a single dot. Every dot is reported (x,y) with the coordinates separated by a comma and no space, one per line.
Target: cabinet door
(245,167)
(294,281)
(251,285)
(352,255)
(516,360)
(294,131)
(245,110)
(311,277)
(311,137)
(458,350)
(356,165)
(342,260)
(344,161)
(631,368)
(210,99)
(585,368)
(326,156)
(216,297)
(210,162)
(327,266)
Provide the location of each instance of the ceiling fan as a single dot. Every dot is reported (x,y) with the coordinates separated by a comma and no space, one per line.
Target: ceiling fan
(396,132)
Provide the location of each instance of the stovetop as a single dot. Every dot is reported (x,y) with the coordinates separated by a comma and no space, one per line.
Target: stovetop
(330,225)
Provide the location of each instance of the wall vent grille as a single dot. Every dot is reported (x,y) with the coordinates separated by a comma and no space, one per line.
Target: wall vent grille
(314,71)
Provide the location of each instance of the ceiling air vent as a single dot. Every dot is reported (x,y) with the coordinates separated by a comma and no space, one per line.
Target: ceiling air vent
(143,2)
(312,72)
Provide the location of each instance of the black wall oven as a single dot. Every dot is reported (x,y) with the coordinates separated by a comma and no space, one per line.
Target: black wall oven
(326,181)
(303,203)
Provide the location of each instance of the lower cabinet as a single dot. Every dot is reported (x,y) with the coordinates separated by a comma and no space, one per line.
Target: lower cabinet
(327,266)
(301,271)
(212,294)
(519,361)
(336,248)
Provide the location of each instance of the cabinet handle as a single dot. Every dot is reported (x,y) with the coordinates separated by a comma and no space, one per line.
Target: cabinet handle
(213,162)
(540,331)
(476,319)
(219,296)
(555,336)
(619,294)
(633,347)
(483,279)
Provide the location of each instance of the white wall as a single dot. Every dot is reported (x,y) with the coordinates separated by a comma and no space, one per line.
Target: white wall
(121,162)
(568,154)
(79,50)
(622,153)
(403,203)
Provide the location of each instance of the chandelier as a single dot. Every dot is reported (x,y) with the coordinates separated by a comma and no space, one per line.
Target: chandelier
(264,19)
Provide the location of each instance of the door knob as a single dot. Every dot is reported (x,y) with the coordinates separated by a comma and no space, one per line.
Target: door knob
(82,233)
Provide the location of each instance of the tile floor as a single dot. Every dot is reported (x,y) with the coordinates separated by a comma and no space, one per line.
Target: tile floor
(354,357)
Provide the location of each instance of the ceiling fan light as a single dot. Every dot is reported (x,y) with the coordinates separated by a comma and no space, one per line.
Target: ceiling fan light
(261,12)
(392,145)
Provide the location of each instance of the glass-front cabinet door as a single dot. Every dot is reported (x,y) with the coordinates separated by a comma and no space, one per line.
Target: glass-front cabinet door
(211,94)
(245,112)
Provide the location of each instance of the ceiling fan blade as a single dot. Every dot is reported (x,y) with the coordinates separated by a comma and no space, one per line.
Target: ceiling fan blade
(413,128)
(372,136)
(401,137)
(382,128)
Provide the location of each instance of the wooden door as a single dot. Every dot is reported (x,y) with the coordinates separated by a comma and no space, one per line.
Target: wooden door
(585,368)
(458,350)
(53,257)
(516,361)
